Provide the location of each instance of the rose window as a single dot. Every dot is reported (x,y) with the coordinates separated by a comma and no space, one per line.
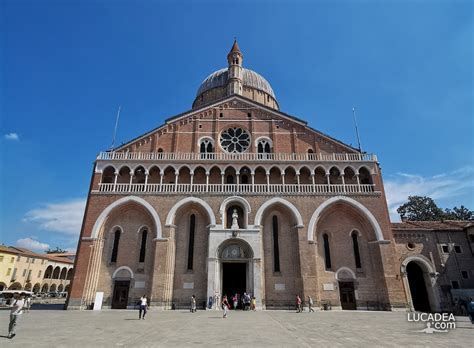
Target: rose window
(235,140)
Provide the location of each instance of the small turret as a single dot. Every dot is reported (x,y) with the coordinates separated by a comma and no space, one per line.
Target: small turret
(235,59)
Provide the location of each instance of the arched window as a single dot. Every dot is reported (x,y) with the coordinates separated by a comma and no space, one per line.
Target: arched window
(355,244)
(327,253)
(230,179)
(264,146)
(276,249)
(113,258)
(206,146)
(244,178)
(364,176)
(192,228)
(143,246)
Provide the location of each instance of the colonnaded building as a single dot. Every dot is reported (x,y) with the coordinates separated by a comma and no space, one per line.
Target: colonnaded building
(237,196)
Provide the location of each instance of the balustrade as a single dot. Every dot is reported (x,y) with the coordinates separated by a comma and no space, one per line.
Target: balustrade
(249,189)
(237,157)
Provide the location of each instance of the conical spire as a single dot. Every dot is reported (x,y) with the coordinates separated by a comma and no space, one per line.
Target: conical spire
(235,47)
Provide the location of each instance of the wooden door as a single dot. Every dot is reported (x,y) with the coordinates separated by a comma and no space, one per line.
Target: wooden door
(120,297)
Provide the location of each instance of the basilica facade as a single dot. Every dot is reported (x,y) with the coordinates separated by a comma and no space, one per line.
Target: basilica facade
(237,196)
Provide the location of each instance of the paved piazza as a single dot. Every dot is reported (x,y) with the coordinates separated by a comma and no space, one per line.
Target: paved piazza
(208,328)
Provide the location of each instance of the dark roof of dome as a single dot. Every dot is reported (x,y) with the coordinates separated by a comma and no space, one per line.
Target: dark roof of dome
(250,79)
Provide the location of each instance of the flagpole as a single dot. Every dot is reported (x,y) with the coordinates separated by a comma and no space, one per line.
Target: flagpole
(115,129)
(356,128)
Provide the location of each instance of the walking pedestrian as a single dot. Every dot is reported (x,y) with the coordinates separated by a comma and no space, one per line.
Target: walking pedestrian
(298,304)
(470,309)
(234,300)
(15,312)
(27,304)
(253,303)
(310,304)
(143,307)
(225,306)
(193,304)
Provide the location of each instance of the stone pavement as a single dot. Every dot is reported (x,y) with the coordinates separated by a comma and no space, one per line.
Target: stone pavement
(121,328)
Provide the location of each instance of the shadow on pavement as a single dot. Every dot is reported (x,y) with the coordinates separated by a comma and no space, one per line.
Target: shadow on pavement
(47,306)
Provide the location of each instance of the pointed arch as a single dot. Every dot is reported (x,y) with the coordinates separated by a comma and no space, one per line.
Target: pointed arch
(172,212)
(342,199)
(140,201)
(284,202)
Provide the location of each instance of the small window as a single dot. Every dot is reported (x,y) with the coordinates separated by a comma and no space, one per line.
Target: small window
(12,260)
(113,257)
(39,274)
(221,114)
(411,246)
(24,272)
(9,271)
(200,126)
(457,249)
(465,274)
(18,258)
(455,284)
(445,249)
(249,115)
(327,253)
(142,254)
(355,245)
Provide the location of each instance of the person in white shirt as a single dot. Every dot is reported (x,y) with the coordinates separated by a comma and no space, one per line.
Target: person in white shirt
(143,307)
(15,312)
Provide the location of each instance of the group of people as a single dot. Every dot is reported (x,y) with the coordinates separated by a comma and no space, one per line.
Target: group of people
(299,304)
(247,301)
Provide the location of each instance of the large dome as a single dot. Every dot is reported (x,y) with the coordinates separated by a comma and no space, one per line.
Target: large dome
(250,79)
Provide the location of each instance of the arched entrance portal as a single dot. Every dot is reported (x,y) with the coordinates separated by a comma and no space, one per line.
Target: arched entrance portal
(346,281)
(419,280)
(122,278)
(418,290)
(235,257)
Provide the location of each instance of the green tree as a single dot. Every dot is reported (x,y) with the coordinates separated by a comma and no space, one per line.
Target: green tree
(56,251)
(461,213)
(420,208)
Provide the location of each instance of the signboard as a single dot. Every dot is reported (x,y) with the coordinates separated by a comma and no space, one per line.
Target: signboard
(99,296)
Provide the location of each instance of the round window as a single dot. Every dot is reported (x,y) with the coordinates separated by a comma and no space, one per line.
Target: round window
(235,140)
(410,246)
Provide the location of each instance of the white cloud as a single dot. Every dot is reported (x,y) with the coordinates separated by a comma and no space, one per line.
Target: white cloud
(32,244)
(65,217)
(12,136)
(441,186)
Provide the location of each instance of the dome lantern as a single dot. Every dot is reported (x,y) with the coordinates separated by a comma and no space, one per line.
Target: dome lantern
(234,58)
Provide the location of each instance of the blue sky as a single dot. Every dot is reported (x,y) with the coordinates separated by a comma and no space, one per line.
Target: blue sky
(407,66)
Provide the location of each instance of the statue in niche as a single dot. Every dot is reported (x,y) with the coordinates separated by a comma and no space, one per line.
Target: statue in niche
(235,223)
